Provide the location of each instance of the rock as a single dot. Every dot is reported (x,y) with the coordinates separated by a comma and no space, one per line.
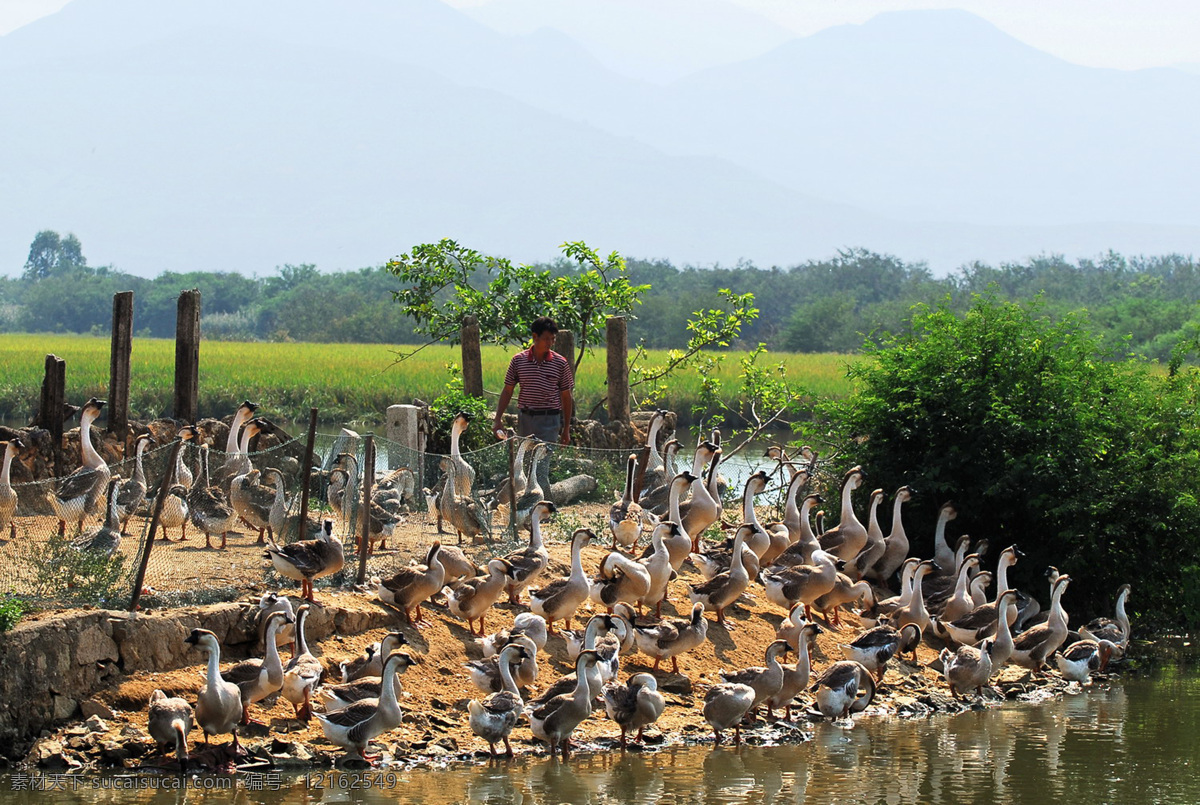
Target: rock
(91,707)
(113,752)
(676,683)
(447,743)
(64,707)
(93,645)
(438,704)
(48,754)
(433,750)
(96,724)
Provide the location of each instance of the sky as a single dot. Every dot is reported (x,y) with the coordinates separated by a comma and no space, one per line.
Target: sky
(1121,34)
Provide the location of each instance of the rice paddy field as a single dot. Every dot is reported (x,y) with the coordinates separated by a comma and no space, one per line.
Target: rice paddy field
(348,383)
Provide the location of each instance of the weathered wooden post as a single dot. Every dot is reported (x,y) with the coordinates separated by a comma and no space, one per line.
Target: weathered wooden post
(564,344)
(118,365)
(187,356)
(368,482)
(50,417)
(618,369)
(472,360)
(306,475)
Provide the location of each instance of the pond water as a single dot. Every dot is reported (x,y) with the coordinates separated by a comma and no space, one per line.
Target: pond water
(1133,740)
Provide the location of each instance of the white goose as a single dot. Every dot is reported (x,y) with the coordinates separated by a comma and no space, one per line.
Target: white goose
(494,717)
(896,543)
(355,726)
(133,492)
(848,537)
(78,494)
(8,497)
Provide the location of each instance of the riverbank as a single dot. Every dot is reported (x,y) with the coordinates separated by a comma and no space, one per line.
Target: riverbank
(107,726)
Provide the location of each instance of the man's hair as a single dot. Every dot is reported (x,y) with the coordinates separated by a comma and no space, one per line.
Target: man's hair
(543,324)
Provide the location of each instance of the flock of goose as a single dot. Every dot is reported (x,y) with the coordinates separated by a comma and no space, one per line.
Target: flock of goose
(795,564)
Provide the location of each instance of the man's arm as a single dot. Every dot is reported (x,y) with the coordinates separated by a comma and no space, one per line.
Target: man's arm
(568,408)
(501,407)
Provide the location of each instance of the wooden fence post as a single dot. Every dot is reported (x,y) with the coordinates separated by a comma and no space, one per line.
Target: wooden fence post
(618,369)
(306,475)
(50,417)
(368,482)
(564,344)
(472,360)
(187,356)
(118,365)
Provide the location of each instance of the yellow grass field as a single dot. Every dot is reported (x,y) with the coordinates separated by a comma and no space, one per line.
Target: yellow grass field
(349,383)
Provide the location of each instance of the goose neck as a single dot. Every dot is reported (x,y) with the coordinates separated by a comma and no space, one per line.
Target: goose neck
(506,677)
(897,519)
(235,427)
(1007,559)
(6,468)
(214,661)
(271,655)
(301,641)
(577,561)
(91,458)
(535,529)
(387,693)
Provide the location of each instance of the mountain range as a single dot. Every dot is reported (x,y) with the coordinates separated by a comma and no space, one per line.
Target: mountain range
(235,136)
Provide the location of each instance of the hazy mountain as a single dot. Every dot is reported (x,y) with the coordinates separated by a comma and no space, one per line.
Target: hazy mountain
(242,136)
(652,40)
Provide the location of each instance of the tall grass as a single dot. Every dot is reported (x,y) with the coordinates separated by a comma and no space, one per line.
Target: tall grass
(349,383)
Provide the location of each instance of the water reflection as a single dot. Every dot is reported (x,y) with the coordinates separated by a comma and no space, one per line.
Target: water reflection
(1121,744)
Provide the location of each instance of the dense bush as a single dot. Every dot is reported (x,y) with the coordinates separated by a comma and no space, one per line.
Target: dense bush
(1042,438)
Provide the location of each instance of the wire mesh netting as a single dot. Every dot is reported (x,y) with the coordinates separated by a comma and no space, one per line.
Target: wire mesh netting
(94,560)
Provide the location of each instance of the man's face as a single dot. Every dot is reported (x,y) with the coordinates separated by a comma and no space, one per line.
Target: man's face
(544,342)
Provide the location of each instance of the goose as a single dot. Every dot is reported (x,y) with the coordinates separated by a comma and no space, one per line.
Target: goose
(457,564)
(463,512)
(1002,645)
(711,562)
(511,489)
(915,612)
(702,509)
(874,648)
(534,492)
(609,645)
(307,560)
(655,473)
(133,492)
(940,586)
(628,618)
(183,473)
(245,482)
(845,591)
(620,578)
(274,602)
(485,673)
(106,539)
(670,638)
(789,628)
(554,721)
(8,497)
(802,584)
(717,485)
(942,554)
(396,490)
(896,544)
(959,603)
(355,726)
(801,550)
(757,540)
(658,565)
(1079,660)
(625,516)
(218,703)
(969,668)
(764,680)
(876,543)
(303,672)
(795,676)
(431,506)
(838,690)
(980,622)
(657,500)
(368,681)
(725,588)
(1114,630)
(494,717)
(411,586)
(787,532)
(257,679)
(885,608)
(1033,646)
(978,587)
(528,564)
(725,705)
(78,494)
(472,598)
(848,537)
(678,543)
(237,461)
(174,512)
(595,680)
(209,507)
(527,623)
(635,705)
(559,599)
(256,503)
(370,662)
(169,720)
(464,473)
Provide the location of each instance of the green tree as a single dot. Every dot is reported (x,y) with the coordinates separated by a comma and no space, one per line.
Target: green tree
(50,254)
(444,282)
(1043,439)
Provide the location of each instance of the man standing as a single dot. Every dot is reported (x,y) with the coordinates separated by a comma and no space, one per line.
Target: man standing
(545,404)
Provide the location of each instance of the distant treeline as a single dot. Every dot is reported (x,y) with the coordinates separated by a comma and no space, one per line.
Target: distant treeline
(1144,305)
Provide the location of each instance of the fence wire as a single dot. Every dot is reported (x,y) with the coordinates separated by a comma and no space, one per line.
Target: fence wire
(49,564)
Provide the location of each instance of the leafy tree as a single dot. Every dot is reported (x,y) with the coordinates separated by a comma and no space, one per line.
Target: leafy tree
(50,254)
(1043,439)
(443,286)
